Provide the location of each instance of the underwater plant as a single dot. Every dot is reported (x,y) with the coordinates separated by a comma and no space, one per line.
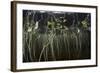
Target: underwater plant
(49,36)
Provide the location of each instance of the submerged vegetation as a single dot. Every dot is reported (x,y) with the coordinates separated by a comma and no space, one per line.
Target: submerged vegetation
(56,36)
